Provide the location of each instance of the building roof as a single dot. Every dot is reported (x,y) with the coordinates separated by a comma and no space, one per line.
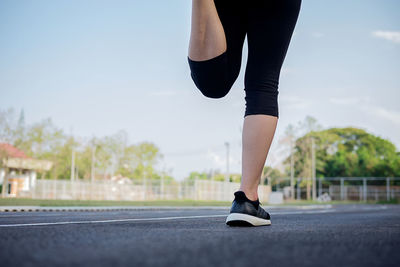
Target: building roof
(11,151)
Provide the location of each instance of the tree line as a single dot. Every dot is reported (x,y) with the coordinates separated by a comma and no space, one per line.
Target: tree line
(102,157)
(338,152)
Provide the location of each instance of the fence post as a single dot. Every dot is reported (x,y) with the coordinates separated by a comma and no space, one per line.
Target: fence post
(144,188)
(387,189)
(55,189)
(341,189)
(64,190)
(298,189)
(320,186)
(364,189)
(162,191)
(195,189)
(43,189)
(180,190)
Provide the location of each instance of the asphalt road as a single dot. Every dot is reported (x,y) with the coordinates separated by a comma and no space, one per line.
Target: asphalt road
(355,235)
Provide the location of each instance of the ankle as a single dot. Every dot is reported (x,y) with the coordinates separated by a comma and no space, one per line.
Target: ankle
(250,194)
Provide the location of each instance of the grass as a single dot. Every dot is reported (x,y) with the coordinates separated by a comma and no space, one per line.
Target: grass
(392,201)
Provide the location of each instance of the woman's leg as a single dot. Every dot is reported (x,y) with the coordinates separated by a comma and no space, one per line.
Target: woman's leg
(258,132)
(271,25)
(207,38)
(216,42)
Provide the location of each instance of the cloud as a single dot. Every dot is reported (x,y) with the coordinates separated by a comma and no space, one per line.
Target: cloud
(390,115)
(393,36)
(367,106)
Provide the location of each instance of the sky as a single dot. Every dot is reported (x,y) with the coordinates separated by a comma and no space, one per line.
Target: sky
(96,67)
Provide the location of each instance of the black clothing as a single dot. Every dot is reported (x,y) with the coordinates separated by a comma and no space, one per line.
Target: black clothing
(269,25)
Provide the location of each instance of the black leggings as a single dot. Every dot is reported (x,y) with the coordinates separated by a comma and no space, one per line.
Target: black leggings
(269,25)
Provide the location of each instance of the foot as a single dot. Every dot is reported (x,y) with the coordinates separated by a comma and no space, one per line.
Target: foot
(245,212)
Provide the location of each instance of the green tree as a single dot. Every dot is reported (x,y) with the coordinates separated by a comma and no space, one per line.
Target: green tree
(271,176)
(138,161)
(346,152)
(112,154)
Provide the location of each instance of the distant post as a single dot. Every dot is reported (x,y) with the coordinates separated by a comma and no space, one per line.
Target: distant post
(162,184)
(73,165)
(144,185)
(341,189)
(227,162)
(314,186)
(320,186)
(298,189)
(93,163)
(291,169)
(387,189)
(365,189)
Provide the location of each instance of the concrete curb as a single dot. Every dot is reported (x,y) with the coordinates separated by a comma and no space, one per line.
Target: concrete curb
(93,209)
(143,208)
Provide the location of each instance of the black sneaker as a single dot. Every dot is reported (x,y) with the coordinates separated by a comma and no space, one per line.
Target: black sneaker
(245,212)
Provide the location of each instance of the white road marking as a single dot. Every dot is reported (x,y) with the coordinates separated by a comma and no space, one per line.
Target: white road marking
(113,221)
(33,209)
(302,212)
(149,219)
(330,210)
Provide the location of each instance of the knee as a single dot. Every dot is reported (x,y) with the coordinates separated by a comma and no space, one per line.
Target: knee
(216,91)
(212,87)
(211,76)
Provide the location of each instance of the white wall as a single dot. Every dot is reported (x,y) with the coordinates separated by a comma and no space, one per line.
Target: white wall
(2,174)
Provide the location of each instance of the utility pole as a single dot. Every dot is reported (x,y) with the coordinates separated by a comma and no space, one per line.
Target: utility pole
(290,133)
(291,169)
(262,176)
(162,183)
(227,161)
(144,184)
(73,165)
(93,163)
(314,186)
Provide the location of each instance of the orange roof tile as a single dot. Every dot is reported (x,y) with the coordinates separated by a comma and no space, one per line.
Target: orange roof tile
(12,151)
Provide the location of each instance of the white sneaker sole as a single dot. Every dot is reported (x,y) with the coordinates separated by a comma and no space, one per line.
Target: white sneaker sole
(239,217)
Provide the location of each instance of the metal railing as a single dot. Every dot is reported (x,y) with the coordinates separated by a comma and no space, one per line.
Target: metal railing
(137,191)
(345,188)
(338,188)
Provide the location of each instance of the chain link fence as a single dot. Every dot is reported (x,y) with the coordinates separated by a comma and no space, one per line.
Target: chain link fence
(337,188)
(144,190)
(343,188)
